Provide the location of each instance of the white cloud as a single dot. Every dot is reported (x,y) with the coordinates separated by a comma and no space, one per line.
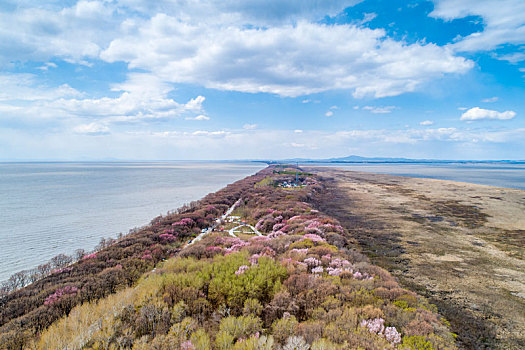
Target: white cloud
(199,117)
(28,87)
(477,113)
(249,126)
(298,145)
(41,32)
(368,17)
(503,22)
(514,58)
(47,65)
(329,114)
(334,107)
(141,98)
(91,129)
(379,110)
(288,60)
(219,133)
(453,143)
(238,12)
(426,122)
(462,108)
(297,131)
(490,99)
(270,46)
(77,32)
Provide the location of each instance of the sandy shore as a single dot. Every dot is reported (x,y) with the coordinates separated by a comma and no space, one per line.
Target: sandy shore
(460,244)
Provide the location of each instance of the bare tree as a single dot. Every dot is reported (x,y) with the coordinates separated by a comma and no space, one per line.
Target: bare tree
(44,269)
(33,275)
(17,280)
(61,260)
(79,254)
(4,290)
(102,244)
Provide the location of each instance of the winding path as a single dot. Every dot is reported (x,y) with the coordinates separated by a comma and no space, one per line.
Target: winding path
(217,222)
(232,231)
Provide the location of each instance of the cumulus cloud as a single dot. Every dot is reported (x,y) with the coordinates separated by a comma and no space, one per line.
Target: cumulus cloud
(270,46)
(426,122)
(242,144)
(288,60)
(477,113)
(379,110)
(329,114)
(25,86)
(127,107)
(297,145)
(42,32)
(141,98)
(503,21)
(199,117)
(259,12)
(218,133)
(91,129)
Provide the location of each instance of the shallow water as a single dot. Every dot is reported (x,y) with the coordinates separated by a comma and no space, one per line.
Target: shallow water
(52,208)
(492,174)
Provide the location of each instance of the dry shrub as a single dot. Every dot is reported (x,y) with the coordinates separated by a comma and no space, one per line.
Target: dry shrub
(417,327)
(310,331)
(356,257)
(197,250)
(336,239)
(389,294)
(369,312)
(323,250)
(296,284)
(282,302)
(281,244)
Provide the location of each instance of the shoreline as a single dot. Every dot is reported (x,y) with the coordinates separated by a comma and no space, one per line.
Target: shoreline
(56,209)
(427,171)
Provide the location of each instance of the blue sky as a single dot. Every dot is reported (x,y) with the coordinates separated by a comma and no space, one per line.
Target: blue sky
(251,79)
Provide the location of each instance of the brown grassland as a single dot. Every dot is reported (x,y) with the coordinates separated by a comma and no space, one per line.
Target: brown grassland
(461,245)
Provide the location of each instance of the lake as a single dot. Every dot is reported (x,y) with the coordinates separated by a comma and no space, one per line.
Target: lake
(492,174)
(52,208)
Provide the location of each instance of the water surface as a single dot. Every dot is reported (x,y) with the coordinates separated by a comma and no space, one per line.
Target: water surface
(52,208)
(492,174)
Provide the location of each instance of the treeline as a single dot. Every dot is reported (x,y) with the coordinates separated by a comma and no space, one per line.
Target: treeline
(55,288)
(23,278)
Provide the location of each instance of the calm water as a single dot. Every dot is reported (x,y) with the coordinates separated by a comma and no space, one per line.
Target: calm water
(52,208)
(500,175)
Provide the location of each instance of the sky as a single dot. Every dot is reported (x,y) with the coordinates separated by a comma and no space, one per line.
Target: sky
(261,79)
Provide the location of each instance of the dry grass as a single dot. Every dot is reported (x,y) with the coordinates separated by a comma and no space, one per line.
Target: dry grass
(462,245)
